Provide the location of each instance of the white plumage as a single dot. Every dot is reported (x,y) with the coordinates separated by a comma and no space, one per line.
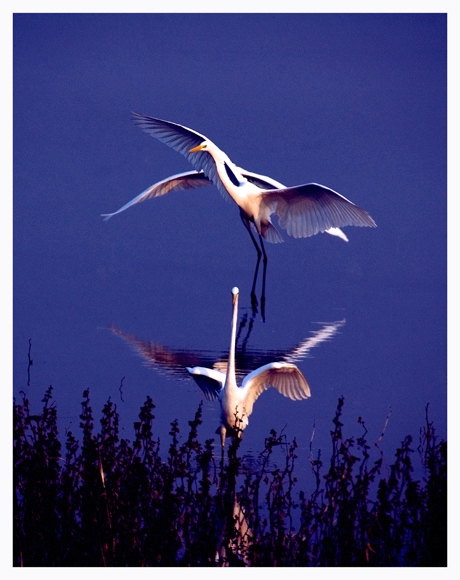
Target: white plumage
(237,402)
(303,210)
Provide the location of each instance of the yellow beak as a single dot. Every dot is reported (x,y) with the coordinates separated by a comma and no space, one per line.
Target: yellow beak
(197,148)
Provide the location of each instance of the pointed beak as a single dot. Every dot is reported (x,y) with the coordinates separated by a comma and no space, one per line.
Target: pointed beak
(197,148)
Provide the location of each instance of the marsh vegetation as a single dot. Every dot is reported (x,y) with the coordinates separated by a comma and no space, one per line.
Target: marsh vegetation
(97,499)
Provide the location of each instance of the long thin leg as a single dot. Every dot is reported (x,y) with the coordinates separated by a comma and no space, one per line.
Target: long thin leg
(260,253)
(264,277)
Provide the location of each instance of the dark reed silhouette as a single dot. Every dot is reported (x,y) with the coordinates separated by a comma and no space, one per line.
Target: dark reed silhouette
(101,500)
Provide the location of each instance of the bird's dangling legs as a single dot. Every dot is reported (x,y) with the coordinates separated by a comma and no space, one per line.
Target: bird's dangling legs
(260,252)
(264,277)
(254,301)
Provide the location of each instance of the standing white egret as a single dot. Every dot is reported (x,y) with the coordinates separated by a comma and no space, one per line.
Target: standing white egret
(303,210)
(237,402)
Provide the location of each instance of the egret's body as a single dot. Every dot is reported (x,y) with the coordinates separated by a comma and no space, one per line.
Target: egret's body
(237,402)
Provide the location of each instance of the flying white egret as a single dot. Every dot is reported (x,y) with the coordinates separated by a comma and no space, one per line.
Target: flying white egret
(303,210)
(237,402)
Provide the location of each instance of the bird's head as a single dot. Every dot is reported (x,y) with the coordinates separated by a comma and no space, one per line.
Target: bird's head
(235,293)
(201,147)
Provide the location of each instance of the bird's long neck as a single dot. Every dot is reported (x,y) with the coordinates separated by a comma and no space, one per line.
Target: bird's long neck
(234,182)
(231,376)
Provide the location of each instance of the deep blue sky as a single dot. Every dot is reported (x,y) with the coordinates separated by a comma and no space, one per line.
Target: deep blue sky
(356,102)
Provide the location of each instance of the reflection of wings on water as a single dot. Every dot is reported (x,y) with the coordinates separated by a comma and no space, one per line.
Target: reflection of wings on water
(325,333)
(169,361)
(173,362)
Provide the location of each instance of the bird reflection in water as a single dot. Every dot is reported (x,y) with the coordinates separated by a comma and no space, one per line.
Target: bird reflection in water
(302,210)
(219,374)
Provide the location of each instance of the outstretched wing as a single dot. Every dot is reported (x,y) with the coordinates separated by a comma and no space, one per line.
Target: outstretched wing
(181,139)
(286,378)
(265,182)
(210,381)
(306,210)
(181,181)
